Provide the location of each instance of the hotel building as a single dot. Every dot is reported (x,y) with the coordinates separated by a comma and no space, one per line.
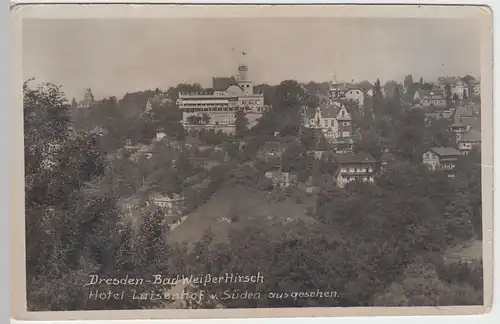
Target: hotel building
(228,95)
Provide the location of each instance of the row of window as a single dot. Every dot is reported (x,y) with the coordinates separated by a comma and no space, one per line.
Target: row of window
(192,110)
(352,179)
(332,123)
(356,170)
(436,102)
(201,104)
(250,102)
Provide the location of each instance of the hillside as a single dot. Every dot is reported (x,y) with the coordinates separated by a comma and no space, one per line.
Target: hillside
(249,204)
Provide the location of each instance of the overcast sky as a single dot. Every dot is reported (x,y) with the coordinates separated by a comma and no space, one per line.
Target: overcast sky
(117,56)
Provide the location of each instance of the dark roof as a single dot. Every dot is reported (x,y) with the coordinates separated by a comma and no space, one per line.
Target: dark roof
(365,85)
(445,151)
(436,109)
(309,112)
(359,157)
(459,124)
(321,146)
(391,84)
(387,157)
(432,93)
(330,111)
(472,136)
(222,83)
(408,97)
(474,123)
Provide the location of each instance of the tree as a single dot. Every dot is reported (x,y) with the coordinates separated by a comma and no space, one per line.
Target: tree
(422,286)
(56,230)
(367,110)
(193,120)
(296,160)
(409,133)
(205,118)
(240,123)
(396,107)
(464,94)
(173,92)
(427,86)
(378,99)
(439,134)
(421,81)
(369,142)
(73,228)
(468,78)
(449,95)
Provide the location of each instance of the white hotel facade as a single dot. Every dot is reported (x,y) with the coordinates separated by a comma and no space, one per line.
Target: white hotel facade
(228,95)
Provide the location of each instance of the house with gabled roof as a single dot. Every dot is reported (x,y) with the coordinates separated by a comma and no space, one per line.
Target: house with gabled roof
(334,121)
(359,166)
(434,97)
(145,151)
(467,129)
(442,158)
(469,140)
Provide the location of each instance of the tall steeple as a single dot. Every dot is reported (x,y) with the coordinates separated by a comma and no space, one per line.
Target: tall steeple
(334,81)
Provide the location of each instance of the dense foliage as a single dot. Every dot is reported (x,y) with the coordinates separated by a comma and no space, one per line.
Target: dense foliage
(372,244)
(73,227)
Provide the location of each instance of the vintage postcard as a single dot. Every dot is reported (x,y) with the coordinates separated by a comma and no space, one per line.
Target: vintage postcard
(198,161)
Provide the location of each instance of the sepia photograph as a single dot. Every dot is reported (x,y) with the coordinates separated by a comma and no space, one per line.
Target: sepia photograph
(274,161)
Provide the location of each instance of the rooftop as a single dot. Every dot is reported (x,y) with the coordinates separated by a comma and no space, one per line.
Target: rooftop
(473,122)
(387,157)
(159,196)
(145,149)
(471,136)
(432,93)
(330,111)
(445,151)
(359,157)
(222,83)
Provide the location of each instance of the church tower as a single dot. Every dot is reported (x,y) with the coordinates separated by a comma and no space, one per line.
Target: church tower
(88,99)
(336,91)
